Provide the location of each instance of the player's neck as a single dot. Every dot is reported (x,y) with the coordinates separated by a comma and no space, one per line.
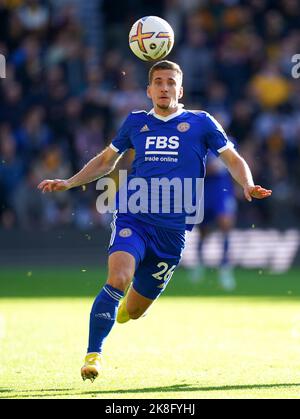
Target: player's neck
(165,112)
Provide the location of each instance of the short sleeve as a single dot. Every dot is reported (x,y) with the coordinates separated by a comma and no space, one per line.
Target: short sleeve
(216,138)
(122,141)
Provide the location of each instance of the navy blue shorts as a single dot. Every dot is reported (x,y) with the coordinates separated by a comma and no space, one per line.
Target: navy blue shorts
(157,252)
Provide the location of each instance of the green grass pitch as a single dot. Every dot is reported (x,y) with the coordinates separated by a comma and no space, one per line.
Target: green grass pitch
(196,342)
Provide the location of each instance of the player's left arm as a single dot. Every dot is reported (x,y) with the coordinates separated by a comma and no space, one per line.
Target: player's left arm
(241,172)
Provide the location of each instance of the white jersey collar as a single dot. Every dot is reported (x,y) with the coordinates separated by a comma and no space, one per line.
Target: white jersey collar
(167,118)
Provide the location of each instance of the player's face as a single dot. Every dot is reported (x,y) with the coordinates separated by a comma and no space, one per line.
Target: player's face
(165,90)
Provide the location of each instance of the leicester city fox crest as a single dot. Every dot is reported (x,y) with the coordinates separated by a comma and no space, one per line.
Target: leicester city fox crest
(183,126)
(125,232)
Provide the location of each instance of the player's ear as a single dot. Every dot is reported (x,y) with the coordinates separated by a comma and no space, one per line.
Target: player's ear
(149,92)
(180,92)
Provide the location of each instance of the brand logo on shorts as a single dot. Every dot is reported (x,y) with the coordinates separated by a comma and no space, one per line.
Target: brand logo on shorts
(183,126)
(125,232)
(106,316)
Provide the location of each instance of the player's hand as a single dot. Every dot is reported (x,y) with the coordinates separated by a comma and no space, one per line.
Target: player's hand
(56,185)
(257,192)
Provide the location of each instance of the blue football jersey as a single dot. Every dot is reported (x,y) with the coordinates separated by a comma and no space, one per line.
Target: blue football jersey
(173,148)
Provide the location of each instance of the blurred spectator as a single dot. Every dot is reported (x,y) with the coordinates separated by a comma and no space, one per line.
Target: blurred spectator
(54,209)
(33,135)
(269,87)
(27,60)
(130,96)
(12,103)
(96,91)
(12,168)
(30,206)
(241,125)
(89,140)
(217,100)
(195,50)
(34,16)
(232,65)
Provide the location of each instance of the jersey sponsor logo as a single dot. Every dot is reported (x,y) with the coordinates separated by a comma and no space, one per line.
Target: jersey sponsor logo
(162,145)
(125,232)
(183,126)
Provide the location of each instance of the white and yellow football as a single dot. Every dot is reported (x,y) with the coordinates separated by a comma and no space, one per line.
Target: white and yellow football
(151,38)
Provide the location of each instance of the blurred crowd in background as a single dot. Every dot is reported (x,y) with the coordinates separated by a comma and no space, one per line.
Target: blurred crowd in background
(71,79)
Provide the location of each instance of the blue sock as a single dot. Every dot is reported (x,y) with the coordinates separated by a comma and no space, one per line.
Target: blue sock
(225,258)
(199,250)
(103,316)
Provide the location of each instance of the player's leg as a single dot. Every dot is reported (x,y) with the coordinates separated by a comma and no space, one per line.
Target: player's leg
(121,267)
(226,276)
(137,304)
(150,280)
(133,306)
(153,274)
(126,251)
(197,273)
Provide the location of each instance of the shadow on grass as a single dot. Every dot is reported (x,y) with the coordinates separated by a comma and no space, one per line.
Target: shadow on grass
(22,394)
(169,389)
(190,387)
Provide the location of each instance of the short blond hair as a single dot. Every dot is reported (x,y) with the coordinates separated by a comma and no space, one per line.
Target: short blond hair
(164,65)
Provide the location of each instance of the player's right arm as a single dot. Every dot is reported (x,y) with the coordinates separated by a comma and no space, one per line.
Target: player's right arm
(100,165)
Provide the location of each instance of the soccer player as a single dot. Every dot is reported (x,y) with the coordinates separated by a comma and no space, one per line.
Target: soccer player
(145,248)
(219,212)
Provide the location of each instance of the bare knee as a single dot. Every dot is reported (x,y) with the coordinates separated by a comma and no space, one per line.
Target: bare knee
(119,280)
(225,223)
(121,266)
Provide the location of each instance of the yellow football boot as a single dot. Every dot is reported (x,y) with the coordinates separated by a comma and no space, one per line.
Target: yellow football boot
(92,366)
(123,316)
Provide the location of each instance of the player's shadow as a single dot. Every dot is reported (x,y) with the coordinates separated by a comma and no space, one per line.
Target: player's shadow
(190,387)
(24,394)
